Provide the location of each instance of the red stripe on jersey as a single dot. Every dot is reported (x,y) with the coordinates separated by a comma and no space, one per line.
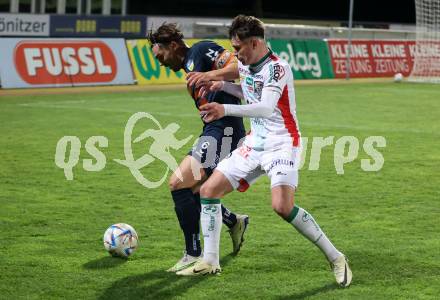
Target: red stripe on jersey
(289,120)
(273,57)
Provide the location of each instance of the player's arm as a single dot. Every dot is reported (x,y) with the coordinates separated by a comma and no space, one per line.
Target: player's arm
(270,95)
(264,109)
(229,72)
(225,86)
(225,68)
(232,89)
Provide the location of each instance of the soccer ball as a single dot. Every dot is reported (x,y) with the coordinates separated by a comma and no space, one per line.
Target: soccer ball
(398,77)
(120,240)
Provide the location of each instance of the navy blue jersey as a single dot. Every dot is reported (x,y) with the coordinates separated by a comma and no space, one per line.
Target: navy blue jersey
(205,56)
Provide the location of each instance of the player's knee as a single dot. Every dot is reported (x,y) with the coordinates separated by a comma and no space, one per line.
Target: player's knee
(207,191)
(281,210)
(175,183)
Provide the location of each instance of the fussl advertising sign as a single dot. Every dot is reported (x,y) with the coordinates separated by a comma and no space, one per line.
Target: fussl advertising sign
(63,62)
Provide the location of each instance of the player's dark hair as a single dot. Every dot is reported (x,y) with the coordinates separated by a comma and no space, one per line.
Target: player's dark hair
(165,34)
(246,26)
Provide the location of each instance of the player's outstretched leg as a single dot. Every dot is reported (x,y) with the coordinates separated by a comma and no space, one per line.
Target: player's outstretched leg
(187,208)
(307,226)
(188,214)
(211,220)
(237,225)
(304,223)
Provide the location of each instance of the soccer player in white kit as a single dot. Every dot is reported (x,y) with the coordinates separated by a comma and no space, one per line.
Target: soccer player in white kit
(272,147)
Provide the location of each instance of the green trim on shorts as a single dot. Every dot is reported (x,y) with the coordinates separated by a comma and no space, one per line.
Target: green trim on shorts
(209,201)
(292,214)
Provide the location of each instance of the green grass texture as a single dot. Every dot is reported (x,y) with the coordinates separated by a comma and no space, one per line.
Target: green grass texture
(386,222)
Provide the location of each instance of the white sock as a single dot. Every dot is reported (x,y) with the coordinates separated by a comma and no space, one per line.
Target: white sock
(211,221)
(306,225)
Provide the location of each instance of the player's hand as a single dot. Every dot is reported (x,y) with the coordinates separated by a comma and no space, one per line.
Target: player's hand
(212,111)
(210,86)
(197,78)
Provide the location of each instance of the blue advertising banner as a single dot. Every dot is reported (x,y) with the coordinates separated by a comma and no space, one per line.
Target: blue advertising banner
(98,26)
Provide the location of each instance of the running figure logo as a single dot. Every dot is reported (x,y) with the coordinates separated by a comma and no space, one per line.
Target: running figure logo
(163,140)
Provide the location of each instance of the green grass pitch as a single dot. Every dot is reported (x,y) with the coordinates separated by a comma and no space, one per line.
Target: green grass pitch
(386,222)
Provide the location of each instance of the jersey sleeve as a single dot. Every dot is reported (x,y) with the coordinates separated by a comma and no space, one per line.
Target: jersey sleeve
(210,56)
(262,109)
(224,59)
(277,78)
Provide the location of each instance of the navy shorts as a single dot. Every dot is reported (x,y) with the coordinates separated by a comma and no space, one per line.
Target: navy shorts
(214,144)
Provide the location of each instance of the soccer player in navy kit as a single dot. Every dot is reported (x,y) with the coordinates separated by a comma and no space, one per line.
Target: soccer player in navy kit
(171,51)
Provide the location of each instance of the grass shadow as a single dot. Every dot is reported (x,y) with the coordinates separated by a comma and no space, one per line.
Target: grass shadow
(105,263)
(157,284)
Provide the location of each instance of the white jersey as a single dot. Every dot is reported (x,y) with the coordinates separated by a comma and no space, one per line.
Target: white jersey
(281,129)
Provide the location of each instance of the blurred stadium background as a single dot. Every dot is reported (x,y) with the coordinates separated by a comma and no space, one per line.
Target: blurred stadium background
(313,37)
(82,68)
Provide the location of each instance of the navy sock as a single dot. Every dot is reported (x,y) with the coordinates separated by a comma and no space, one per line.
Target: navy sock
(197,199)
(188,213)
(229,218)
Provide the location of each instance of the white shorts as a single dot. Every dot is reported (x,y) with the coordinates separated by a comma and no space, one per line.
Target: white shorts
(245,165)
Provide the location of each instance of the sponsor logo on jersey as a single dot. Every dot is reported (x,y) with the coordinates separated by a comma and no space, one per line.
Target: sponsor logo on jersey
(190,65)
(243,71)
(212,54)
(49,62)
(249,81)
(258,121)
(278,72)
(258,88)
(284,162)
